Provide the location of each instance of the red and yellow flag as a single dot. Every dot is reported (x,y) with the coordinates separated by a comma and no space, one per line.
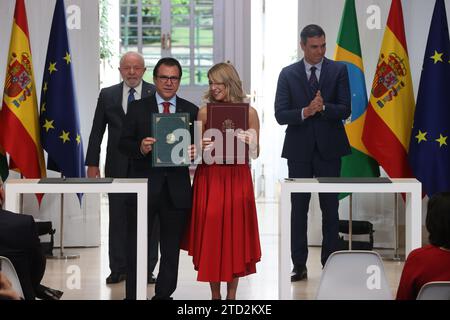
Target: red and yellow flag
(19,121)
(390,114)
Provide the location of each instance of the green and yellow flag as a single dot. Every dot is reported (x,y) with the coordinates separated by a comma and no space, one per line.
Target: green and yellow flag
(348,51)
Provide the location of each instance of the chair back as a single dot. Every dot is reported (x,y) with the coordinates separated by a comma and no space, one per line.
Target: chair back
(435,290)
(354,275)
(10,272)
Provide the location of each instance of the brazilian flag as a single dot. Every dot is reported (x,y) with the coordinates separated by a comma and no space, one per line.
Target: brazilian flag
(348,51)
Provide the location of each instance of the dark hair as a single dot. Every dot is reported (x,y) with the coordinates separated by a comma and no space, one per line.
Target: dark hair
(311,31)
(172,62)
(438,219)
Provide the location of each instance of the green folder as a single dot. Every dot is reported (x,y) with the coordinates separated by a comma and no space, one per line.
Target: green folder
(173,138)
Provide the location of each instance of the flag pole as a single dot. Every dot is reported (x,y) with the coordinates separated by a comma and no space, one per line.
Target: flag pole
(396,256)
(350,218)
(21,199)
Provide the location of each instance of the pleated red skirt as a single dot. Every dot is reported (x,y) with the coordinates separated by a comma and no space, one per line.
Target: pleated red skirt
(222,234)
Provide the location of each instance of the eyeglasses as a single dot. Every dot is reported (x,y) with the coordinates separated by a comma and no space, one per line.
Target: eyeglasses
(128,68)
(167,78)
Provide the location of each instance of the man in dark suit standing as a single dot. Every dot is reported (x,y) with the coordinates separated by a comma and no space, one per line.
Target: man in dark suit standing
(169,189)
(112,105)
(313,98)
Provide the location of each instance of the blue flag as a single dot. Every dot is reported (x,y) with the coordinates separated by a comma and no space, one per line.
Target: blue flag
(429,152)
(59,121)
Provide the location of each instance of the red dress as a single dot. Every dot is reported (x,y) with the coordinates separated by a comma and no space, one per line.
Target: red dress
(222,235)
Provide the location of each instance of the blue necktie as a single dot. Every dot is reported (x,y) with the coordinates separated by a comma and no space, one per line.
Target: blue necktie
(313,82)
(130,96)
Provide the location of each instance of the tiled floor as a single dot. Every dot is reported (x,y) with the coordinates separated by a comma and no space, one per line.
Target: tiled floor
(84,278)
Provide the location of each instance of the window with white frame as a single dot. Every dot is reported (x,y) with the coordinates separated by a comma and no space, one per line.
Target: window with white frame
(183,29)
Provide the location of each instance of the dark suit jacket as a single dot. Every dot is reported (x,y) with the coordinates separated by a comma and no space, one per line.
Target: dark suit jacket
(324,130)
(20,243)
(137,126)
(110,112)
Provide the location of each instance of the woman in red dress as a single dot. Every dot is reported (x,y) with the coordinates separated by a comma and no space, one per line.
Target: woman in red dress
(431,262)
(222,235)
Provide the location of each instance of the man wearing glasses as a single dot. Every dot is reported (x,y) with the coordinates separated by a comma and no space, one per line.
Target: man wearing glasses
(169,189)
(112,105)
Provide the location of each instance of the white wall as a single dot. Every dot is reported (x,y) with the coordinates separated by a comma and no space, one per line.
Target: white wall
(82,224)
(237,46)
(274,45)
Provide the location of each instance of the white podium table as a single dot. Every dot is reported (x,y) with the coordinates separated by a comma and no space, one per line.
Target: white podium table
(15,187)
(413,223)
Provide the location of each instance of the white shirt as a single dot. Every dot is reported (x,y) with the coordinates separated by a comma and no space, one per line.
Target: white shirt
(125,92)
(308,74)
(308,69)
(173,103)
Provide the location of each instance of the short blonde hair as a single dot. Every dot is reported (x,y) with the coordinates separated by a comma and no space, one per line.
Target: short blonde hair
(226,73)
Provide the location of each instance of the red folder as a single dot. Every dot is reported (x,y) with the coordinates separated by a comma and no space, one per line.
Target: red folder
(228,119)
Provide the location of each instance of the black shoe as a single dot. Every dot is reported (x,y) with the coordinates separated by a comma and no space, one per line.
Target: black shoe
(116,277)
(151,279)
(46,293)
(299,273)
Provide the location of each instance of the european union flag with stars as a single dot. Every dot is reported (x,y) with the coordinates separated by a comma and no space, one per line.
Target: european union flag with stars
(59,121)
(429,153)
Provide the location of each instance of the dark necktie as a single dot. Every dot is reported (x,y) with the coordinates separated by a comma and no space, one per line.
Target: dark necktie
(166,106)
(130,96)
(313,82)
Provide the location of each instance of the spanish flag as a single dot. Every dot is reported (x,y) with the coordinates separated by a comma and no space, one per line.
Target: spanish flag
(348,50)
(390,113)
(19,121)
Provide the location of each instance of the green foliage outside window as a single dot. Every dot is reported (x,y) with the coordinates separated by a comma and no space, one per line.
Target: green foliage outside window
(181,28)
(105,41)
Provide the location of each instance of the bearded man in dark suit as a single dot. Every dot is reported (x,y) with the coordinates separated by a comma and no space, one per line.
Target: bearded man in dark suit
(112,105)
